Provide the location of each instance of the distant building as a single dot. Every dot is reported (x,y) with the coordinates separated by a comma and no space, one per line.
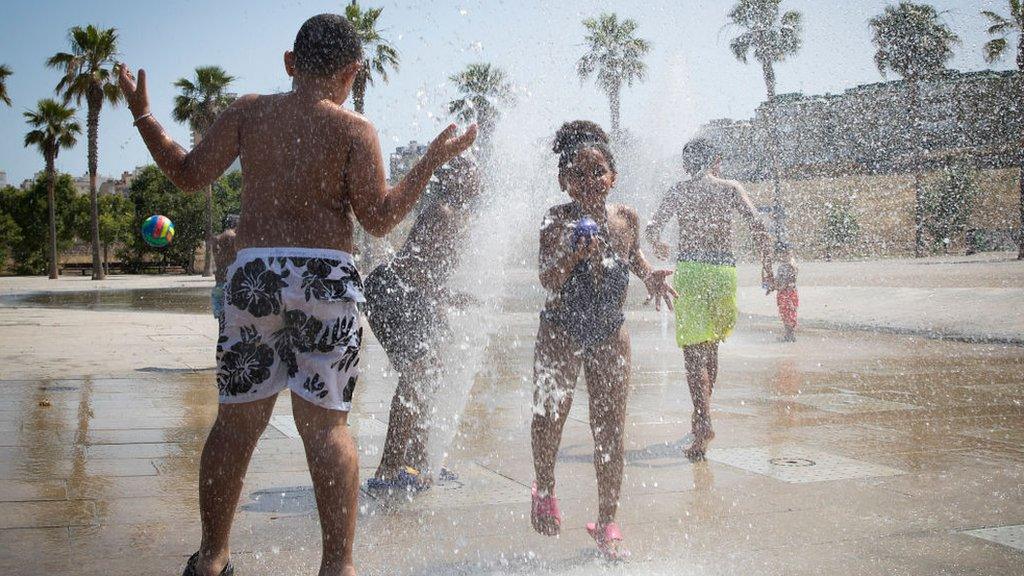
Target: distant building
(868,130)
(104,184)
(3,179)
(404,158)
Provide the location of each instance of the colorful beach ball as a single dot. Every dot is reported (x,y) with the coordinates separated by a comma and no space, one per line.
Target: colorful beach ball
(158,231)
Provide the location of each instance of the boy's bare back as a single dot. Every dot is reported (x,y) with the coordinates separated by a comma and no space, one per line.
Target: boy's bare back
(294,156)
(704,210)
(307,162)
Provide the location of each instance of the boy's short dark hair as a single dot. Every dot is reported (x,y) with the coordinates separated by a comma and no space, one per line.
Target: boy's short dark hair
(325,44)
(699,155)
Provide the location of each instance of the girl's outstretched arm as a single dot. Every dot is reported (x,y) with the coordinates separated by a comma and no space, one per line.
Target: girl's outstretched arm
(656,281)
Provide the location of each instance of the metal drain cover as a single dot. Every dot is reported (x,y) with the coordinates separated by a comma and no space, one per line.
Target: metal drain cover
(791,462)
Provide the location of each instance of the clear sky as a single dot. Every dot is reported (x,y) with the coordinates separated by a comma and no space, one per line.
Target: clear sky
(693,76)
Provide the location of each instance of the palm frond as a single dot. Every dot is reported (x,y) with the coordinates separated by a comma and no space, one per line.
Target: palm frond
(995,49)
(5,71)
(89,63)
(912,40)
(741,46)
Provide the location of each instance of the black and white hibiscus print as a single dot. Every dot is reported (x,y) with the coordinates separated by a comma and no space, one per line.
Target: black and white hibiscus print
(315,386)
(256,288)
(346,394)
(317,283)
(245,365)
(350,357)
(303,333)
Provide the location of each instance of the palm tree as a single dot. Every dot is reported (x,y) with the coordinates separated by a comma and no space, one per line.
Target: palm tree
(378,54)
(995,49)
(4,73)
(615,55)
(89,73)
(771,38)
(202,99)
(54,128)
(913,42)
(483,89)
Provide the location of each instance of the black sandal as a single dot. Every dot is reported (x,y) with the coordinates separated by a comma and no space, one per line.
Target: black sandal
(190,567)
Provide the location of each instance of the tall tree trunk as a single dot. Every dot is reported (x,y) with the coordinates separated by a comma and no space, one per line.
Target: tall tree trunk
(359,92)
(917,160)
(613,103)
(1020,207)
(208,254)
(51,176)
(771,123)
(95,103)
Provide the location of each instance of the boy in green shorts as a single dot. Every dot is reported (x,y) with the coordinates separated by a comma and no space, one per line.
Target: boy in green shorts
(705,275)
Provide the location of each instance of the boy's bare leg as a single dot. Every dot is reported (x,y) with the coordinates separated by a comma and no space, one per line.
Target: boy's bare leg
(555,370)
(429,371)
(222,468)
(406,407)
(698,377)
(607,370)
(334,467)
(712,368)
(416,448)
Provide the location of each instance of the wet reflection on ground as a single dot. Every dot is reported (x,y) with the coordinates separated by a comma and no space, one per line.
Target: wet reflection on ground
(182,300)
(841,453)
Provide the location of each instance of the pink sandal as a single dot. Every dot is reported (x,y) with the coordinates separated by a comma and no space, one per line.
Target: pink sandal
(608,539)
(544,508)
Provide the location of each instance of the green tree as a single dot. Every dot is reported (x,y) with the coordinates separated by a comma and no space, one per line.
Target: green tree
(615,56)
(995,49)
(5,71)
(841,228)
(29,210)
(912,41)
(89,74)
(378,54)
(53,128)
(227,196)
(483,90)
(116,219)
(201,100)
(948,204)
(152,193)
(10,232)
(771,37)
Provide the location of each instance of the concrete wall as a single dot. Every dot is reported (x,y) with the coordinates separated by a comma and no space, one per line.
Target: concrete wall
(884,209)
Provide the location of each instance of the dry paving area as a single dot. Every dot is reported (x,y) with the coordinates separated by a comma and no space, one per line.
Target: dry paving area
(848,452)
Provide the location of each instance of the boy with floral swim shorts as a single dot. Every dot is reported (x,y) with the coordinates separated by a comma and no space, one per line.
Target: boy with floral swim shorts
(290,317)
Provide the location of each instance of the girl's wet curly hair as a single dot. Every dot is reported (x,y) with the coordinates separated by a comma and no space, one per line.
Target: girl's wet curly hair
(579,135)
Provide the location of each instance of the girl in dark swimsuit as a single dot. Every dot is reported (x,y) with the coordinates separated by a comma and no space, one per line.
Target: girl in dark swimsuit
(582,325)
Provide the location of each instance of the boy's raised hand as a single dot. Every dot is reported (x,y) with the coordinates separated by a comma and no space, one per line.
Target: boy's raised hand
(134,92)
(447,145)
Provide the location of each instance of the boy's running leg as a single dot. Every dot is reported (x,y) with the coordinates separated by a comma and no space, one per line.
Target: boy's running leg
(698,377)
(222,468)
(607,370)
(407,406)
(712,369)
(334,467)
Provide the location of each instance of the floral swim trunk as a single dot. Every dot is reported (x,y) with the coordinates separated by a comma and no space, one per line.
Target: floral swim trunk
(290,321)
